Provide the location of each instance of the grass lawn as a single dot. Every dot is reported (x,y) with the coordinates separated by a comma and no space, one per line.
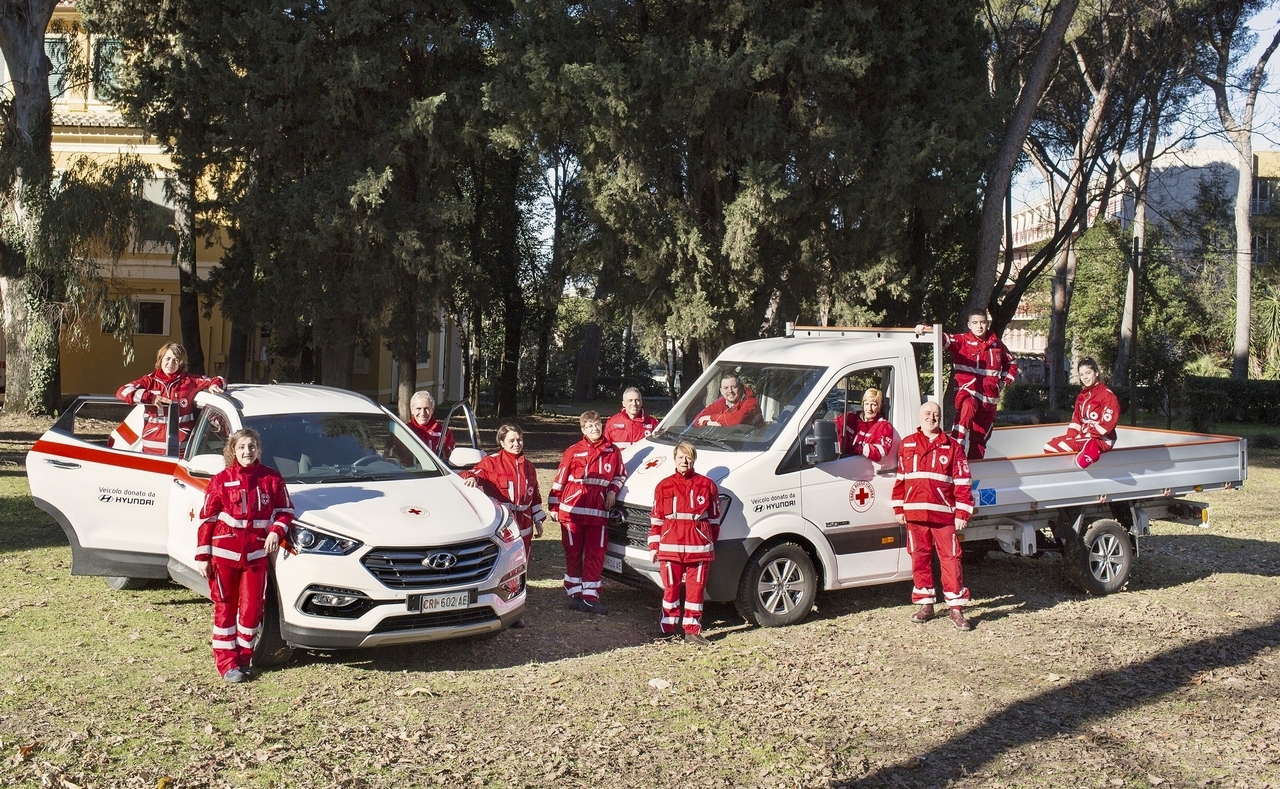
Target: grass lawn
(1172,682)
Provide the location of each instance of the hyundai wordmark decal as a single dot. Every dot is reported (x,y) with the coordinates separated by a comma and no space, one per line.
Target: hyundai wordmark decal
(142,498)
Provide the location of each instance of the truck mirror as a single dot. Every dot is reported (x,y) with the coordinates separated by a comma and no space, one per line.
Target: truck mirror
(823,440)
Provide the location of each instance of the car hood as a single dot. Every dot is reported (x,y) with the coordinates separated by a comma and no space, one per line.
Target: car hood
(406,512)
(649,463)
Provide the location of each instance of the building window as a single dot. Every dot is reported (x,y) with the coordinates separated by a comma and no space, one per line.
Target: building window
(150,316)
(56,50)
(1261,201)
(106,67)
(155,233)
(1261,247)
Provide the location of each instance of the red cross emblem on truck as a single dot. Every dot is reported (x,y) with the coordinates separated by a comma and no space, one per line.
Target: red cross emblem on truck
(861,496)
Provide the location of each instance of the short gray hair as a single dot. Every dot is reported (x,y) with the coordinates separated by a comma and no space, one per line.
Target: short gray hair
(631,389)
(425,396)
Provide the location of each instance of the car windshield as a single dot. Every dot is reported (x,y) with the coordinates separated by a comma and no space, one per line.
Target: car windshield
(322,448)
(739,406)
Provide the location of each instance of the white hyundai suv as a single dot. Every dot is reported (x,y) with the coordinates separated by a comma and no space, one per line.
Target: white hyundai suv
(388,547)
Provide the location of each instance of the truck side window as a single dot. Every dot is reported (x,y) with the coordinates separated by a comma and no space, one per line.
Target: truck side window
(211,434)
(844,401)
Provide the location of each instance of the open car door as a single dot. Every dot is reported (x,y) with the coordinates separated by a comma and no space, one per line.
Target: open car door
(112,503)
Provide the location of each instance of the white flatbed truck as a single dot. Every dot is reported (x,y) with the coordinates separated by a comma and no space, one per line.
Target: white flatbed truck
(799,519)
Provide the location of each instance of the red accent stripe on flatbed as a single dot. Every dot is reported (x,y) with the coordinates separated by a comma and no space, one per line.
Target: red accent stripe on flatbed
(137,462)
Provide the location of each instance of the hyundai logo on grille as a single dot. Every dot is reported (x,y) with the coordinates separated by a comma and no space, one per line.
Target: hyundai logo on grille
(440,560)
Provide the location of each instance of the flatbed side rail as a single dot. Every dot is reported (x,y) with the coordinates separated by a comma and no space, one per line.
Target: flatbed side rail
(932,338)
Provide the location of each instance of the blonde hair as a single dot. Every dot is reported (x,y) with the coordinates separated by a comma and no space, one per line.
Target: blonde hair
(876,396)
(229,450)
(178,351)
(589,416)
(687,448)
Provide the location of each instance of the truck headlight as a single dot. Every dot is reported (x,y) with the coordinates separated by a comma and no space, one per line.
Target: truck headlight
(308,539)
(508,531)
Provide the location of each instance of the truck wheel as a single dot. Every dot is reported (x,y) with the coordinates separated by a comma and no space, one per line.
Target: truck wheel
(122,583)
(778,587)
(271,650)
(1100,562)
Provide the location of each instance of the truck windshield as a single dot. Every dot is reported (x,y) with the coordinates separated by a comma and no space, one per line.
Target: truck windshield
(322,448)
(739,406)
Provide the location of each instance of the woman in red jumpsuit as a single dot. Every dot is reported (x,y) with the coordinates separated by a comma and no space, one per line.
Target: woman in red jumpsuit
(1093,423)
(684,527)
(870,434)
(509,478)
(246,513)
(169,385)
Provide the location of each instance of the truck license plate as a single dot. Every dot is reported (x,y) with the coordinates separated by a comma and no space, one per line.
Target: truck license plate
(613,563)
(428,603)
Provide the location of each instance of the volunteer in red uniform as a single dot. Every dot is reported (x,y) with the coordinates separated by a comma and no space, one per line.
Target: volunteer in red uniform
(736,405)
(422,420)
(246,513)
(631,424)
(509,478)
(931,497)
(1093,423)
(983,366)
(169,385)
(868,434)
(685,524)
(587,484)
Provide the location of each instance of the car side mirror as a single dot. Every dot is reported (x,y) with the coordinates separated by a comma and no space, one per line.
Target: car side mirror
(823,441)
(205,465)
(465,457)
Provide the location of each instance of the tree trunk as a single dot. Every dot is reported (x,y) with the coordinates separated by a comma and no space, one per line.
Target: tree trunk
(1015,134)
(1062,283)
(337,359)
(1244,254)
(32,379)
(183,187)
(584,379)
(237,355)
(507,229)
(1129,317)
(407,372)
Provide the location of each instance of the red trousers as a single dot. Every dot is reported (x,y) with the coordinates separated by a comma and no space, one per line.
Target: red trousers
(693,577)
(922,538)
(583,558)
(238,595)
(974,420)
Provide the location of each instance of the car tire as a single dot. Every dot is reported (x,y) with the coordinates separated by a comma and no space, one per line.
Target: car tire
(271,650)
(1100,561)
(778,586)
(123,583)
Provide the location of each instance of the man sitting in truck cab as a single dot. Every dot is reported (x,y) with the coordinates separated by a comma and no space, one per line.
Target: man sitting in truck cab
(737,405)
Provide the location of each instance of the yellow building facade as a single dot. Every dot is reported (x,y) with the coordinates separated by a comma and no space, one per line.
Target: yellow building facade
(85,125)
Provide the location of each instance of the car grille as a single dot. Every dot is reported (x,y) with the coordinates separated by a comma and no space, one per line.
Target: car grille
(402,568)
(460,618)
(629,526)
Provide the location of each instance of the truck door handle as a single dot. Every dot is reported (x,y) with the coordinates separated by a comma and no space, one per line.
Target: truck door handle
(180,483)
(61,463)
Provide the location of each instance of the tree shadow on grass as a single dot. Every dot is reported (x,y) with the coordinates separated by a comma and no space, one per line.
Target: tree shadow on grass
(1058,712)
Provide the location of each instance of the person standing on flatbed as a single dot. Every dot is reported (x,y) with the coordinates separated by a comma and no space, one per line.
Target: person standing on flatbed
(983,366)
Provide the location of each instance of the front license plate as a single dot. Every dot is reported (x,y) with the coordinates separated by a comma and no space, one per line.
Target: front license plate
(613,563)
(449,601)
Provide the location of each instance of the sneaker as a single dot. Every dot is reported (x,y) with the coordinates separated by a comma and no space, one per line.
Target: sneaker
(234,675)
(575,603)
(519,624)
(665,635)
(958,620)
(923,615)
(592,606)
(696,639)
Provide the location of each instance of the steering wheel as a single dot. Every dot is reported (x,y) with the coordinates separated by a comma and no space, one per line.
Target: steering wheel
(372,457)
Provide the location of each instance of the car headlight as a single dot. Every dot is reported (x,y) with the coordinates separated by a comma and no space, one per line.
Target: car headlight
(308,539)
(507,531)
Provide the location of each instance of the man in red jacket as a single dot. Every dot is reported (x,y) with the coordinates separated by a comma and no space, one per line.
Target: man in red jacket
(423,422)
(631,424)
(931,497)
(1093,423)
(983,366)
(737,405)
(684,527)
(585,489)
